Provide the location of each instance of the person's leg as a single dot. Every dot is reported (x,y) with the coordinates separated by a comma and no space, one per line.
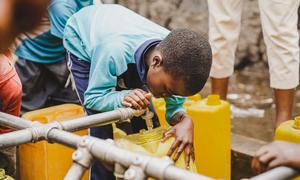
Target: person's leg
(80,74)
(224,30)
(31,75)
(279,23)
(220,86)
(59,75)
(284,100)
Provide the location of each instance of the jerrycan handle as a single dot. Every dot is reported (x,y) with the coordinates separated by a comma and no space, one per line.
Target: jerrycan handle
(297,123)
(213,100)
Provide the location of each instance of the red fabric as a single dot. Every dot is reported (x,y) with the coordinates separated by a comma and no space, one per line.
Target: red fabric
(10,88)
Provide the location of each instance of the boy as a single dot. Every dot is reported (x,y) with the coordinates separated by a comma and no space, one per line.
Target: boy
(278,153)
(118,58)
(41,66)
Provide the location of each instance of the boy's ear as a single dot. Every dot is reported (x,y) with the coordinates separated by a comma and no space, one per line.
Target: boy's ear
(157,61)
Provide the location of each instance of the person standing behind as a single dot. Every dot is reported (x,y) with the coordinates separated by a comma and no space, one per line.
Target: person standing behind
(10,87)
(279,24)
(41,65)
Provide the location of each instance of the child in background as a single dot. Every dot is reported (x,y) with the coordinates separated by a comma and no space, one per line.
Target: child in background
(119,59)
(42,66)
(10,88)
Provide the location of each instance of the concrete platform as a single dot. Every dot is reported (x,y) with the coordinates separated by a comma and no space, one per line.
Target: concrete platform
(242,151)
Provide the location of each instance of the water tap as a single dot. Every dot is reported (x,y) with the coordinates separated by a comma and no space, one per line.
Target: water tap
(148,119)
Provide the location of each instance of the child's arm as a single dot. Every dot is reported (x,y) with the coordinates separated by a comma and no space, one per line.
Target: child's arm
(183,129)
(278,153)
(107,63)
(184,137)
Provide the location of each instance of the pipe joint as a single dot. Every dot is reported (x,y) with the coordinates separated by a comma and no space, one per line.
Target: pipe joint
(128,113)
(37,133)
(83,155)
(135,173)
(119,171)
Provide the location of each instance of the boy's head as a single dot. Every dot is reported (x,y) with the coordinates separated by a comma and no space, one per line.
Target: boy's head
(180,64)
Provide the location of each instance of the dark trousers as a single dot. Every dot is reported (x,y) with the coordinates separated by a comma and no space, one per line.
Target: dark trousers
(80,71)
(44,84)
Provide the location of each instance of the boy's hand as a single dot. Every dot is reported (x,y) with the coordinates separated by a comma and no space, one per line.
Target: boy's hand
(278,153)
(184,138)
(137,99)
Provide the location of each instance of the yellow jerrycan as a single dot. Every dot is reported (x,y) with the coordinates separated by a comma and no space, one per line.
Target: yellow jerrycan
(149,143)
(3,176)
(160,107)
(43,160)
(289,131)
(211,117)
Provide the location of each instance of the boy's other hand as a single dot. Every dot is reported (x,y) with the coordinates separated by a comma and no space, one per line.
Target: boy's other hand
(184,138)
(137,99)
(278,153)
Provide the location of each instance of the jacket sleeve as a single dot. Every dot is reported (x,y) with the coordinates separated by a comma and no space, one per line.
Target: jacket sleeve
(174,105)
(59,13)
(105,67)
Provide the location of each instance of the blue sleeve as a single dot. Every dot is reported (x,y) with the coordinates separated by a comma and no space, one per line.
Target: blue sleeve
(59,13)
(105,67)
(174,105)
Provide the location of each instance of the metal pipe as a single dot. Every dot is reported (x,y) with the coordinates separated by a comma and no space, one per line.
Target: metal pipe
(173,172)
(108,153)
(75,172)
(153,167)
(121,114)
(15,138)
(279,173)
(100,149)
(63,137)
(13,122)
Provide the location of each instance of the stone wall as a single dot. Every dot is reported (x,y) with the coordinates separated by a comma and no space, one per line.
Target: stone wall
(193,14)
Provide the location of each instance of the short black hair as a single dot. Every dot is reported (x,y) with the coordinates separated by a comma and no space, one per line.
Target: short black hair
(187,55)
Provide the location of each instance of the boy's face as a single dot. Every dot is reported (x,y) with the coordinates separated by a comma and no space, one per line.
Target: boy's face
(161,84)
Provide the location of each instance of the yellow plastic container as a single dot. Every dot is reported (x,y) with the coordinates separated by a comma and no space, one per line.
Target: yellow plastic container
(160,107)
(149,143)
(211,117)
(43,160)
(3,176)
(289,131)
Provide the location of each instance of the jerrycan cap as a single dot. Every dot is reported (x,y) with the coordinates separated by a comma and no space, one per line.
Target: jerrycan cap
(297,123)
(213,100)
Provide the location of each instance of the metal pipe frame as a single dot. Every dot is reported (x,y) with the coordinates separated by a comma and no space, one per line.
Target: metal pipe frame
(75,172)
(101,150)
(279,173)
(118,115)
